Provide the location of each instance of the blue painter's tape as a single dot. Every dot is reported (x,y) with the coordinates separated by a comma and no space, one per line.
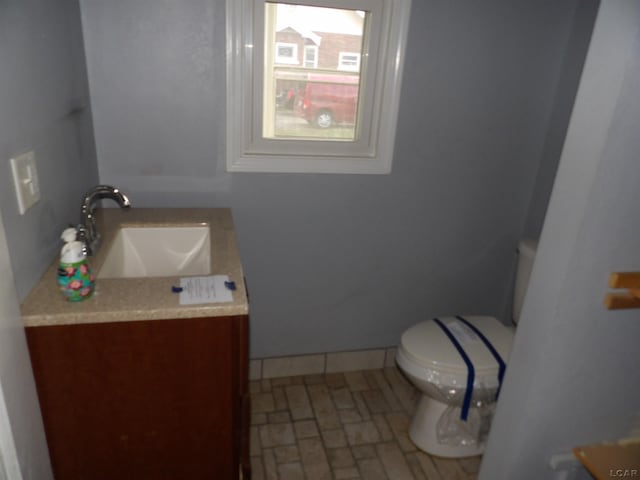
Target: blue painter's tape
(502,366)
(471,373)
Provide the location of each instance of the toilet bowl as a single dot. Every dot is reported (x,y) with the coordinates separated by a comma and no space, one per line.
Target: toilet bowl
(458,363)
(434,365)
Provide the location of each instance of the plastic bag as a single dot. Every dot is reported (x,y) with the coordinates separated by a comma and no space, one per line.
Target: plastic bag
(452,430)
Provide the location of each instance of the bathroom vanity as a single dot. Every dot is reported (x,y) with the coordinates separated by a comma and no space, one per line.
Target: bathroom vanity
(133,385)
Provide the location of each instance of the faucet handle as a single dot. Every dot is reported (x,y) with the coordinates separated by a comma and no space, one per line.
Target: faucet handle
(82,236)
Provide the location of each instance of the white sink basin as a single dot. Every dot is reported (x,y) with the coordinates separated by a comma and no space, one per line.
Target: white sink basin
(158,252)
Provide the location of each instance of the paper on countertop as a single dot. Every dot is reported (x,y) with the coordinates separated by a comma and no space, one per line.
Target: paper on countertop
(209,289)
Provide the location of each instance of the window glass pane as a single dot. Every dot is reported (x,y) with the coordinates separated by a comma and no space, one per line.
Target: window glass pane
(312,72)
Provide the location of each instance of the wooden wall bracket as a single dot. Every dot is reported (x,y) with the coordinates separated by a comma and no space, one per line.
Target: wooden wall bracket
(608,460)
(628,299)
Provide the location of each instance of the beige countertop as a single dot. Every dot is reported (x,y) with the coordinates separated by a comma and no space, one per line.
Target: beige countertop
(129,299)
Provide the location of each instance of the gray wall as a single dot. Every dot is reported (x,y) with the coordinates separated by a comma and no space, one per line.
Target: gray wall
(43,82)
(574,54)
(344,262)
(573,376)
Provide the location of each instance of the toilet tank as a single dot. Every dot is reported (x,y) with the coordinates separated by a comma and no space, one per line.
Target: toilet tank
(527,249)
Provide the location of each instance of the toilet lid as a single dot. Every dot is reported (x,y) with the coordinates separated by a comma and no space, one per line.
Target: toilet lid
(428,345)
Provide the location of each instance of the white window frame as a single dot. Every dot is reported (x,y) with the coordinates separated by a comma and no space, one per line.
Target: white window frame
(292,60)
(381,69)
(348,68)
(314,49)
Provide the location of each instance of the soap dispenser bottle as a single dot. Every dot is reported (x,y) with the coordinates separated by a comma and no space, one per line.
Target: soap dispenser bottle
(75,279)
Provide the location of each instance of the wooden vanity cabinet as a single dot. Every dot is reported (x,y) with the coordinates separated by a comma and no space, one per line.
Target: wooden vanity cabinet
(157,399)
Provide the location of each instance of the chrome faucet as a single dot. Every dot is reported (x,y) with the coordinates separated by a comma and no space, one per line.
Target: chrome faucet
(87,232)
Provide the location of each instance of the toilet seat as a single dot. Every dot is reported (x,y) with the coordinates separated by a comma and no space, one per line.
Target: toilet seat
(427,347)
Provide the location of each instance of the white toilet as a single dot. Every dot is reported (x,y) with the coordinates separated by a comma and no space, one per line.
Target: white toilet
(444,356)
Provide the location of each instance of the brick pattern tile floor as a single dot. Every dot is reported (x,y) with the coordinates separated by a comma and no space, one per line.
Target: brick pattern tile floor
(337,426)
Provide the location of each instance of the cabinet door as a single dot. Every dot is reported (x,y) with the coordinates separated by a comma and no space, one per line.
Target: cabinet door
(140,400)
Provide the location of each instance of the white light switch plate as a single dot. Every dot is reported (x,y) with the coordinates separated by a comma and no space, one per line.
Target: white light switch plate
(25,179)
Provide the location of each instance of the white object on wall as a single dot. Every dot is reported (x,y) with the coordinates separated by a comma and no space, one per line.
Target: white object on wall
(25,180)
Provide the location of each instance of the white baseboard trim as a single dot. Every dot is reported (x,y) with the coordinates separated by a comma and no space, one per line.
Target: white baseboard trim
(318,363)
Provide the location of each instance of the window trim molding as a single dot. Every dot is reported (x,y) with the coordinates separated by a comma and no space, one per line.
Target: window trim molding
(348,68)
(242,110)
(286,60)
(315,50)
